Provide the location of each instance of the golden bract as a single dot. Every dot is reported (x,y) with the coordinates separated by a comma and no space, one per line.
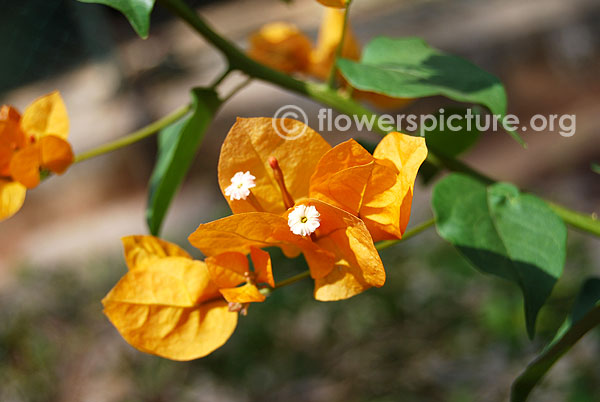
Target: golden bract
(167,303)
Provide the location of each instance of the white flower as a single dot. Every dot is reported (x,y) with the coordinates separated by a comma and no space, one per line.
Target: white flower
(304,220)
(241,183)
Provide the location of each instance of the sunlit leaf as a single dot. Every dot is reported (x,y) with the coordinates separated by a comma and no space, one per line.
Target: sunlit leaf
(409,68)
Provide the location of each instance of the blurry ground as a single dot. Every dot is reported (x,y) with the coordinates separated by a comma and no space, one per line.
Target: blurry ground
(438,330)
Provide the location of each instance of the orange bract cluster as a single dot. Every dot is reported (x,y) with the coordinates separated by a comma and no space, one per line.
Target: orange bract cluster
(283,47)
(30,144)
(360,198)
(302,196)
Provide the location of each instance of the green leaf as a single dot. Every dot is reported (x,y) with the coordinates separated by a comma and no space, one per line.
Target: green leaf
(445,140)
(366,144)
(503,232)
(136,11)
(595,168)
(177,146)
(584,317)
(409,68)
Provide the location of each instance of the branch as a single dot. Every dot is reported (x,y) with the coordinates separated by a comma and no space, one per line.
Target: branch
(136,136)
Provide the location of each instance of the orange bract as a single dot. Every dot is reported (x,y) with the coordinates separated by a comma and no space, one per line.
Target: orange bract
(141,249)
(30,143)
(56,154)
(167,304)
(228,270)
(11,137)
(47,115)
(280,46)
(12,197)
(262,266)
(25,166)
(50,152)
(242,232)
(357,265)
(249,145)
(247,293)
(343,259)
(378,189)
(330,34)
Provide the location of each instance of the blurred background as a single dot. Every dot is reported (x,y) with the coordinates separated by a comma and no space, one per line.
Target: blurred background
(437,331)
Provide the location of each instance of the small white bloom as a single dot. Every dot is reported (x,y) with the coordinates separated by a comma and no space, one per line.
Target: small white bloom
(304,220)
(241,183)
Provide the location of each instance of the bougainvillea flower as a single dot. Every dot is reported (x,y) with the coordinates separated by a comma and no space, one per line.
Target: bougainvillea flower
(333,3)
(340,251)
(304,220)
(346,184)
(248,147)
(281,46)
(323,55)
(244,231)
(229,270)
(357,265)
(167,304)
(240,186)
(30,144)
(377,188)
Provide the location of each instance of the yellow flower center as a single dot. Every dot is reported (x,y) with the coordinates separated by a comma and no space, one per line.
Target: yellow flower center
(304,219)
